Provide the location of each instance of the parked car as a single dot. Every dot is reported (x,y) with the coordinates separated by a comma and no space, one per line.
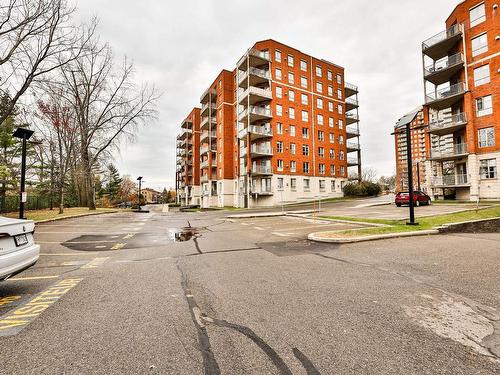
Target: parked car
(18,250)
(419,198)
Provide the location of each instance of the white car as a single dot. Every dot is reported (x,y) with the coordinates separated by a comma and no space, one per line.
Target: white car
(18,250)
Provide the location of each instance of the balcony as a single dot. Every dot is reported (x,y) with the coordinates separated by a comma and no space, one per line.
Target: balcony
(256,95)
(457,151)
(443,70)
(187,124)
(449,125)
(351,103)
(446,97)
(351,118)
(205,149)
(262,170)
(440,44)
(204,178)
(255,58)
(350,89)
(257,151)
(254,76)
(206,135)
(208,122)
(256,132)
(351,132)
(458,180)
(352,162)
(209,94)
(208,108)
(352,146)
(261,191)
(255,113)
(184,134)
(205,164)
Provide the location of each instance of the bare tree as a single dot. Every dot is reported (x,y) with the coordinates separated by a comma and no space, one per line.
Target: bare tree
(369,175)
(108,106)
(36,38)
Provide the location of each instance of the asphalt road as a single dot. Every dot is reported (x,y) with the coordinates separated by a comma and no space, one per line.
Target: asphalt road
(195,293)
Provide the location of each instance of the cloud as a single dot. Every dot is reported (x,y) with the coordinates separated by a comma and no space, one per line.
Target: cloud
(182,45)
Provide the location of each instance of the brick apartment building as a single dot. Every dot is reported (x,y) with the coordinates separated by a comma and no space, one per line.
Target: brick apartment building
(462,108)
(420,145)
(281,127)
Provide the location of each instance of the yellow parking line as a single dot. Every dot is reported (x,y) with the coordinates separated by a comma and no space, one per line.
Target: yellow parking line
(64,254)
(34,278)
(118,246)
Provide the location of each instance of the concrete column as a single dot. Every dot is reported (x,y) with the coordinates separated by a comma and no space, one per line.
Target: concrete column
(473,172)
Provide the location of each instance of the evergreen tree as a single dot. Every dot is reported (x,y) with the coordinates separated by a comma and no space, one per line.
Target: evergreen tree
(113,183)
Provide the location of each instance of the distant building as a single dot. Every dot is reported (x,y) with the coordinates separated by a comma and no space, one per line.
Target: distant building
(150,195)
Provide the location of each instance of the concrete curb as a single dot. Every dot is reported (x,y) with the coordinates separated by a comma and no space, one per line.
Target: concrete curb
(342,240)
(270,214)
(75,216)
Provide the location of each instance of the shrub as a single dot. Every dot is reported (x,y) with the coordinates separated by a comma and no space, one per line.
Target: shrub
(361,189)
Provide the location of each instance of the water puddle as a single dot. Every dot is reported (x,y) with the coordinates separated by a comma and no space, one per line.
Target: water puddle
(182,234)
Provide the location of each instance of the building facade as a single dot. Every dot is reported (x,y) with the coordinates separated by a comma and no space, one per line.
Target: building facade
(462,85)
(419,149)
(188,160)
(282,127)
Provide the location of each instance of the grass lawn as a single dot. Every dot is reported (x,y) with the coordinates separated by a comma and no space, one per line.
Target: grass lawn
(425,223)
(38,215)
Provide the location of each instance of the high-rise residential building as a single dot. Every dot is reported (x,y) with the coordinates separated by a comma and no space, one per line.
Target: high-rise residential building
(188,160)
(419,147)
(282,127)
(462,88)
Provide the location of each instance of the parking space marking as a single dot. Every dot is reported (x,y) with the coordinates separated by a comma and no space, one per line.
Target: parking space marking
(95,263)
(280,234)
(33,278)
(14,322)
(259,228)
(128,236)
(66,254)
(5,301)
(118,246)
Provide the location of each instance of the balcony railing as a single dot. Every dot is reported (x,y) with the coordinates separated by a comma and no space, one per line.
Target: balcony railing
(450,180)
(265,74)
(454,120)
(208,105)
(206,164)
(262,169)
(265,93)
(261,191)
(352,116)
(263,131)
(352,145)
(204,178)
(262,111)
(439,37)
(205,149)
(205,121)
(444,63)
(352,161)
(350,86)
(457,149)
(257,53)
(352,101)
(207,134)
(446,92)
(350,130)
(263,150)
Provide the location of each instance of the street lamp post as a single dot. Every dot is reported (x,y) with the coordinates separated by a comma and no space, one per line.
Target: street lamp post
(140,180)
(410,176)
(23,134)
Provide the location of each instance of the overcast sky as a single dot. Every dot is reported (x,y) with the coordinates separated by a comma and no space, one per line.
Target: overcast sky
(181,46)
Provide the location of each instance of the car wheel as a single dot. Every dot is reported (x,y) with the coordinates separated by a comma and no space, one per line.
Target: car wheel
(398,204)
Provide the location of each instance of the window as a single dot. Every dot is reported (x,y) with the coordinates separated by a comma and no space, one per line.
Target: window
(291,78)
(332,153)
(277,56)
(303,65)
(322,182)
(292,130)
(279,128)
(332,183)
(342,170)
(482,75)
(330,122)
(279,92)
(280,179)
(305,168)
(332,172)
(332,138)
(303,82)
(291,113)
(321,135)
(305,116)
(479,44)
(329,75)
(293,148)
(319,71)
(279,147)
(488,168)
(339,93)
(291,95)
(290,60)
(486,137)
(342,155)
(320,119)
(277,73)
(339,79)
(305,150)
(304,99)
(341,139)
(477,15)
(319,87)
(330,91)
(341,124)
(293,184)
(319,103)
(306,181)
(293,166)
(330,106)
(321,152)
(484,106)
(280,165)
(279,110)
(340,109)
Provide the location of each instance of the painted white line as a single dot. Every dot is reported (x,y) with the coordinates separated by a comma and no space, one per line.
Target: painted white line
(100,247)
(279,234)
(244,224)
(33,278)
(259,228)
(66,254)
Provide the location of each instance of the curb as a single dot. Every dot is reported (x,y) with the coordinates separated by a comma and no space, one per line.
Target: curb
(74,216)
(270,214)
(317,237)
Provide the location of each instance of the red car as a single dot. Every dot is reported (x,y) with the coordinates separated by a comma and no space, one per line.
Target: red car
(419,198)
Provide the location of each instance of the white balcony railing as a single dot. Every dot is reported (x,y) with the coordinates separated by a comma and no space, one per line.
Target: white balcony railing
(454,120)
(352,101)
(262,169)
(443,35)
(353,145)
(458,88)
(206,164)
(350,86)
(263,150)
(450,180)
(352,116)
(261,111)
(352,161)
(456,150)
(444,63)
(350,130)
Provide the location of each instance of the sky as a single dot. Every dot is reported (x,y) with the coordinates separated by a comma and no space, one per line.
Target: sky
(181,46)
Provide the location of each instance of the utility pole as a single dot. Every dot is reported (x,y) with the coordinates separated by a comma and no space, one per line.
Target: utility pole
(23,134)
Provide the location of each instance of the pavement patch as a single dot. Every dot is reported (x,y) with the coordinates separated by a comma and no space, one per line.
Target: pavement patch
(15,321)
(95,263)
